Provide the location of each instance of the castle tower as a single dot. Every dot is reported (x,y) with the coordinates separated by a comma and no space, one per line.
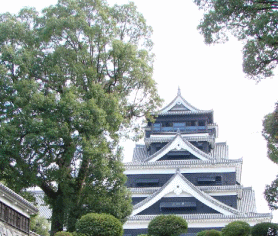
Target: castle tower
(182,170)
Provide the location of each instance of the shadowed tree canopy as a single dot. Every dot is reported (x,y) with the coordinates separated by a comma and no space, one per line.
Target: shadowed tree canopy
(73,79)
(254,22)
(270,133)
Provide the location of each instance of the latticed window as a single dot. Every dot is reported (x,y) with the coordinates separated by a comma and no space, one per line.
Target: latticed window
(14,218)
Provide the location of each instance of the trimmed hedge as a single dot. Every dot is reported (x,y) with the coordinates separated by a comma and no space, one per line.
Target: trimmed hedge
(167,225)
(94,224)
(212,232)
(236,228)
(202,233)
(63,233)
(261,229)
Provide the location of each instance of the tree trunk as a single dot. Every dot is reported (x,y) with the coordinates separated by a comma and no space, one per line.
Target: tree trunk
(58,213)
(74,215)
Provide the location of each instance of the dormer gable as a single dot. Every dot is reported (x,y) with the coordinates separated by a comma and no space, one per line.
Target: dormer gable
(178,185)
(179,144)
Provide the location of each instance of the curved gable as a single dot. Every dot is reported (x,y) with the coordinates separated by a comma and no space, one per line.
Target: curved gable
(179,184)
(179,144)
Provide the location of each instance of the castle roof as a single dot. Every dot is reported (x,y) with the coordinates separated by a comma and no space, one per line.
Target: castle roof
(15,199)
(140,153)
(190,218)
(179,106)
(177,144)
(136,167)
(178,184)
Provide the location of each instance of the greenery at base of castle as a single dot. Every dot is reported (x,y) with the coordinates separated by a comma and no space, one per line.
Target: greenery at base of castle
(63,233)
(167,225)
(236,228)
(253,22)
(99,225)
(202,233)
(73,80)
(264,229)
(211,232)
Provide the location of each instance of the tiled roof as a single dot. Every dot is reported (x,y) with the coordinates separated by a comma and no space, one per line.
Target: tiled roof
(150,190)
(182,163)
(188,145)
(44,209)
(140,153)
(237,163)
(13,197)
(211,217)
(167,138)
(185,112)
(180,106)
(221,150)
(247,202)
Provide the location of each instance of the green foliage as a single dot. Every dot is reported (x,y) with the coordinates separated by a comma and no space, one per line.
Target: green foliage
(212,232)
(73,80)
(202,233)
(143,235)
(167,225)
(236,228)
(270,132)
(262,229)
(253,22)
(63,233)
(99,225)
(41,226)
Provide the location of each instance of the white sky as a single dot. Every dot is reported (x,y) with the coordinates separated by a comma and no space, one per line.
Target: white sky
(210,77)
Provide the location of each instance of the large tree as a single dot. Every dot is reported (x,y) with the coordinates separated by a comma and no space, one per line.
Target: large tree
(270,132)
(72,80)
(254,22)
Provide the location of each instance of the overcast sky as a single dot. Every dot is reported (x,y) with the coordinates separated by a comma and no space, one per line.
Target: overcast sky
(210,77)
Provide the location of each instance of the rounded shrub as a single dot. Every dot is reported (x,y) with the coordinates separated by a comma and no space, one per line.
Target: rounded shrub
(236,228)
(167,225)
(202,233)
(212,232)
(94,224)
(63,233)
(261,229)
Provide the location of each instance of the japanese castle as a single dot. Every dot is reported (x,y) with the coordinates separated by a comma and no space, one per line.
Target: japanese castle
(182,170)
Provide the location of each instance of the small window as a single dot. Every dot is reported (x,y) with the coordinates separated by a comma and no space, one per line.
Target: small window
(177,205)
(147,182)
(190,123)
(156,126)
(168,124)
(178,125)
(202,123)
(206,180)
(218,178)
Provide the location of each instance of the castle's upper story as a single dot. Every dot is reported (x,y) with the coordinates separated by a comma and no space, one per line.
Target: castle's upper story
(180,122)
(182,136)
(181,116)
